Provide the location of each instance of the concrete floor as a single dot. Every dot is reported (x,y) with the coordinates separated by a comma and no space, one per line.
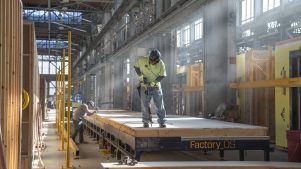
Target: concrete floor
(90,157)
(53,158)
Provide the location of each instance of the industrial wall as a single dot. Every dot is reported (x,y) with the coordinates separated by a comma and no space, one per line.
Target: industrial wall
(215,26)
(283,96)
(11,83)
(257,105)
(43,96)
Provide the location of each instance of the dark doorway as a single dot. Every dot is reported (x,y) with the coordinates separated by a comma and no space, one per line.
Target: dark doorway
(295,71)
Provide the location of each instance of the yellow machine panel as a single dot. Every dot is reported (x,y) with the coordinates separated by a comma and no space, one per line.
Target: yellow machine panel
(256,101)
(282,95)
(187,94)
(240,74)
(193,76)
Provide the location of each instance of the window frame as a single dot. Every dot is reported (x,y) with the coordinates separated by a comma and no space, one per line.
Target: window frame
(251,12)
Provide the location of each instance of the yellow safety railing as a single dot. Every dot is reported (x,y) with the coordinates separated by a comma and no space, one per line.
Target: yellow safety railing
(60,102)
(69,101)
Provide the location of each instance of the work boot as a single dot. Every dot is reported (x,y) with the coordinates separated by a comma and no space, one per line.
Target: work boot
(162,125)
(145,125)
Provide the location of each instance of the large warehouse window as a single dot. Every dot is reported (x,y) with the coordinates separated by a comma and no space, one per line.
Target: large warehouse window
(272,26)
(187,35)
(50,64)
(52,44)
(269,4)
(52,87)
(296,27)
(247,11)
(198,29)
(56,16)
(44,67)
(178,38)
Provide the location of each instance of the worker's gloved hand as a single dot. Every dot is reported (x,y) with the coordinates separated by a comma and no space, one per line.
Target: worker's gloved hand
(140,78)
(154,84)
(145,80)
(146,92)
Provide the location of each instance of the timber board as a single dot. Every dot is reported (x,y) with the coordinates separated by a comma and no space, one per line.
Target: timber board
(177,126)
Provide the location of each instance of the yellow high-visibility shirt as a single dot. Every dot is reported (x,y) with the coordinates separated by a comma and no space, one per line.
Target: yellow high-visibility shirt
(151,72)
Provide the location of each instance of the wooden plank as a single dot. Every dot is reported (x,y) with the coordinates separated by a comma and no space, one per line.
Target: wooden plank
(130,123)
(14,123)
(8,96)
(10,102)
(13,136)
(2,58)
(2,158)
(288,82)
(26,115)
(31,120)
(73,146)
(2,51)
(206,165)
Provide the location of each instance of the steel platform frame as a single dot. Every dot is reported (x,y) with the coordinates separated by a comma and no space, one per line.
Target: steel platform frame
(122,143)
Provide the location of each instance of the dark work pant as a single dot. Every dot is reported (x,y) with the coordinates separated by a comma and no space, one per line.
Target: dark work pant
(78,127)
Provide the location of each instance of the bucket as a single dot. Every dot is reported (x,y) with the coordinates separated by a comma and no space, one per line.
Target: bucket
(294,145)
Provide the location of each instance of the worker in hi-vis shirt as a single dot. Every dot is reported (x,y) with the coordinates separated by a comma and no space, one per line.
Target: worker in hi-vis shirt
(151,70)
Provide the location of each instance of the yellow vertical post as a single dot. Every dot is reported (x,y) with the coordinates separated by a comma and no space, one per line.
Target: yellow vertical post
(202,75)
(56,117)
(62,99)
(58,102)
(250,91)
(69,96)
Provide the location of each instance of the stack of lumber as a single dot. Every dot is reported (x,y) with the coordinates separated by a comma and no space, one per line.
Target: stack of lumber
(10,83)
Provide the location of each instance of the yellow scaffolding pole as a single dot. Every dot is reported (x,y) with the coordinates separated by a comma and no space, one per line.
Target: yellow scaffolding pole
(69,96)
(62,97)
(57,102)
(56,89)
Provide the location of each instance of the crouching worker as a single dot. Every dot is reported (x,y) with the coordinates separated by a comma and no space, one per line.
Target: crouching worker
(78,115)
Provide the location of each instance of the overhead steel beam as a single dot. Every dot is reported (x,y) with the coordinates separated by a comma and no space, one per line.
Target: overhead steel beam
(61,10)
(98,1)
(54,51)
(124,7)
(69,27)
(52,77)
(168,18)
(49,25)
